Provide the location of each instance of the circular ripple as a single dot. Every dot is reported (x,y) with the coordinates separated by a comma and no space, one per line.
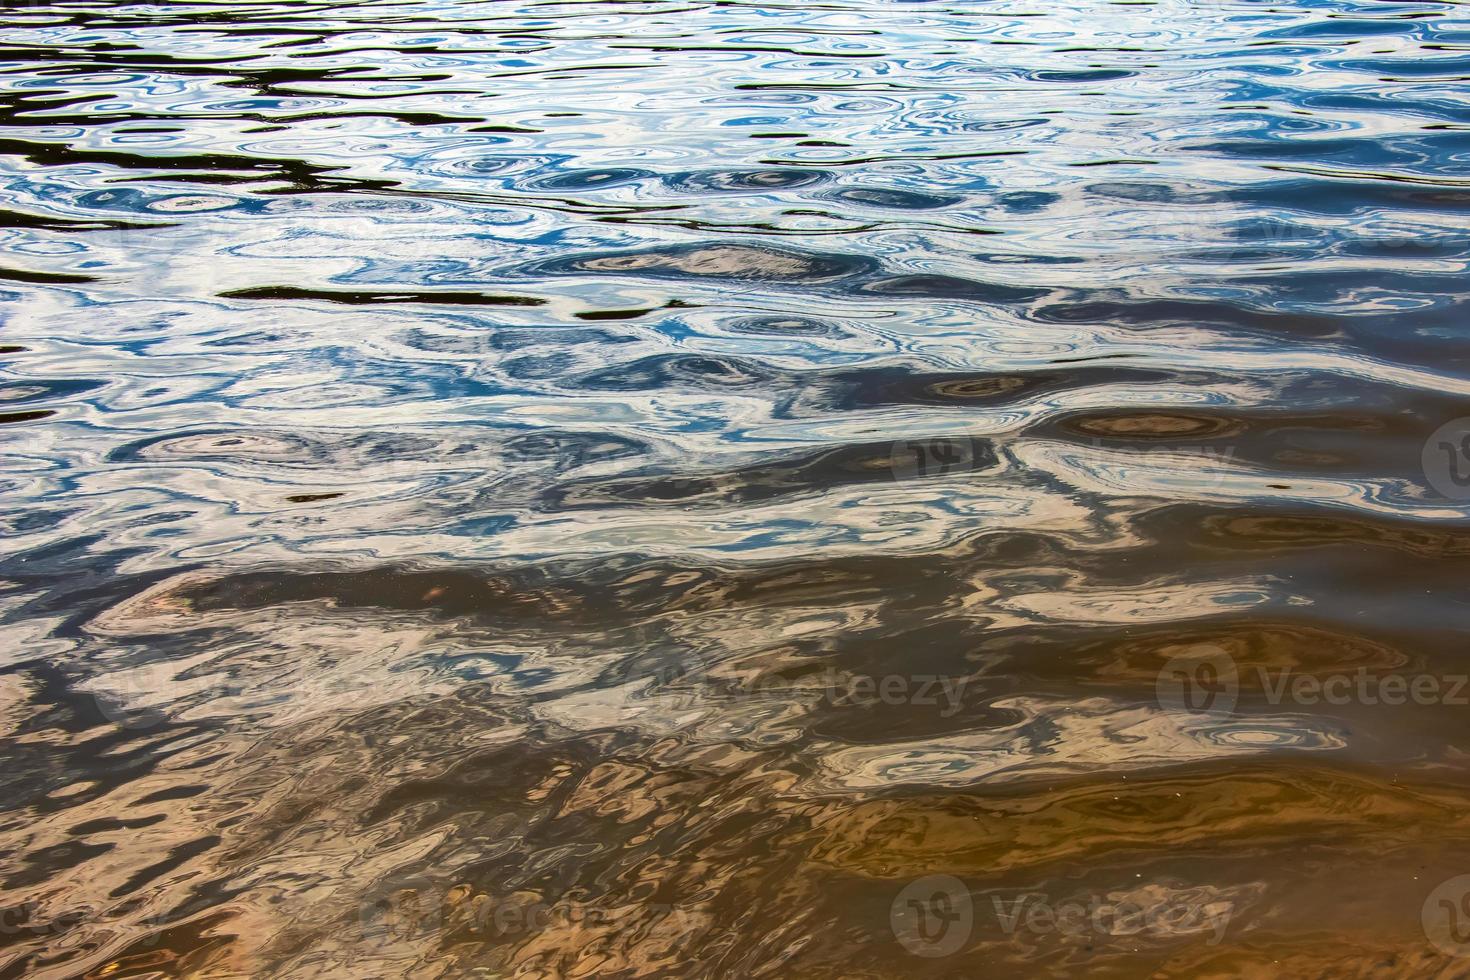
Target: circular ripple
(746,180)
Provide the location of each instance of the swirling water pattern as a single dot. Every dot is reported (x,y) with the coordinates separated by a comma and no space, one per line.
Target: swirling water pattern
(668,488)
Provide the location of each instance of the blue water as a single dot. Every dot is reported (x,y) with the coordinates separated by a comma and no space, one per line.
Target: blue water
(723,489)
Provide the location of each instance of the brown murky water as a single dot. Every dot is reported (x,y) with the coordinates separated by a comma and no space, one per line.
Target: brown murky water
(664,489)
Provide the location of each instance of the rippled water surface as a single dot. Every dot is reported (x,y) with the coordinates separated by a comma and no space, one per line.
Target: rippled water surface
(731,489)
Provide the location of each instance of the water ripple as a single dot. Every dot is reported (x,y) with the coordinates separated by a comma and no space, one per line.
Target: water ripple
(676,489)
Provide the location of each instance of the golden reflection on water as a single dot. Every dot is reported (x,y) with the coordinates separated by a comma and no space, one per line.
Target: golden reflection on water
(390,811)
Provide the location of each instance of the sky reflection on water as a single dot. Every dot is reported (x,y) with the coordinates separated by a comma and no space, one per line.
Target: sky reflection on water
(683,489)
